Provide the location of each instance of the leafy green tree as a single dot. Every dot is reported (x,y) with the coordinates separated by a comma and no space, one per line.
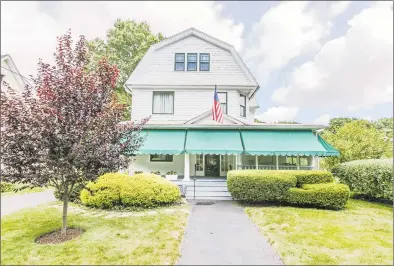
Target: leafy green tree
(385,124)
(127,42)
(338,122)
(356,140)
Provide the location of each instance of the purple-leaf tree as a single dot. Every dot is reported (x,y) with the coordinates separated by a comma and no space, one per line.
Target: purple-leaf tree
(69,131)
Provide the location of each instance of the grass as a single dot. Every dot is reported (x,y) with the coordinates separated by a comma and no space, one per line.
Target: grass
(142,240)
(362,233)
(23,191)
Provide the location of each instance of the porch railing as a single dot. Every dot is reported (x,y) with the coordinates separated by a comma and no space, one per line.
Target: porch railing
(273,167)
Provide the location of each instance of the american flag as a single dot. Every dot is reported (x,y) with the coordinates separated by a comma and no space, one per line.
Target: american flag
(217,113)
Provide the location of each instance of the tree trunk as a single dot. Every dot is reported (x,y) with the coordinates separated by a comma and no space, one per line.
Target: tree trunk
(65,205)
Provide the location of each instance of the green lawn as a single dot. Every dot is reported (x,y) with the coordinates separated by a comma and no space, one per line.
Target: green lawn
(362,233)
(153,237)
(24,191)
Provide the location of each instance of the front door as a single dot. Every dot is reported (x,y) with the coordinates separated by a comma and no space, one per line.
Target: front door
(212,165)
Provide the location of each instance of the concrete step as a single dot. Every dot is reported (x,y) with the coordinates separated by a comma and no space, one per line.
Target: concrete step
(209,193)
(205,184)
(210,198)
(206,188)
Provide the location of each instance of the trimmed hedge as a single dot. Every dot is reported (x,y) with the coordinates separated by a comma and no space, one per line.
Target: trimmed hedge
(329,195)
(372,178)
(313,177)
(141,190)
(281,186)
(259,185)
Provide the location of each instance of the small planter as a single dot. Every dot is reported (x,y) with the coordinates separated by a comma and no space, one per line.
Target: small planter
(171,177)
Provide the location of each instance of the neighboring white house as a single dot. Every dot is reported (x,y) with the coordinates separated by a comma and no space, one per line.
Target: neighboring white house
(11,75)
(174,84)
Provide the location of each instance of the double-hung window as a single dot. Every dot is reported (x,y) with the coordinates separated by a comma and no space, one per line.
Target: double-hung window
(163,102)
(223,101)
(179,62)
(191,62)
(204,62)
(242,105)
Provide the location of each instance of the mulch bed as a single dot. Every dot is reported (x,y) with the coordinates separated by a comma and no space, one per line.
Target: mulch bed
(56,237)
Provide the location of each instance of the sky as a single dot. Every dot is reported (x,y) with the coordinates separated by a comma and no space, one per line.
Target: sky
(313,60)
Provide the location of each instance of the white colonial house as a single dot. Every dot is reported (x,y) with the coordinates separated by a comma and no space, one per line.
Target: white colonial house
(174,85)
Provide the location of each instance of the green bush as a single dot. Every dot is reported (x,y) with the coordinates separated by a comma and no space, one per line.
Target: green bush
(141,190)
(329,195)
(313,177)
(372,178)
(260,185)
(74,195)
(149,190)
(6,187)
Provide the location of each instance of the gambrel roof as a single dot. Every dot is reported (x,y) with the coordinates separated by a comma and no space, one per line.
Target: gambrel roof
(149,63)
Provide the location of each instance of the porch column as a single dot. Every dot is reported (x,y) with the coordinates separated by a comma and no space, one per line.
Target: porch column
(313,162)
(318,163)
(257,162)
(298,162)
(277,162)
(186,174)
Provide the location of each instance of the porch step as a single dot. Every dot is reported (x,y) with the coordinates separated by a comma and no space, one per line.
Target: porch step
(208,193)
(207,188)
(210,198)
(202,183)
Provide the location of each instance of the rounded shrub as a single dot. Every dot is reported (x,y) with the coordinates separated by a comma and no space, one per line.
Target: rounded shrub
(313,177)
(371,178)
(149,190)
(329,196)
(141,190)
(260,185)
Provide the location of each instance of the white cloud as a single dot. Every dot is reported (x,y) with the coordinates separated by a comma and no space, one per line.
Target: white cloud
(338,7)
(29,30)
(275,114)
(287,31)
(353,71)
(322,120)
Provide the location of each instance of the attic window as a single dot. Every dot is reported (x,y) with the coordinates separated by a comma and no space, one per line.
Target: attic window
(204,62)
(179,62)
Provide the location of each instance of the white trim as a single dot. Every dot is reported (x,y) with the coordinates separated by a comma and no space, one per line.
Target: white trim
(245,126)
(188,86)
(209,113)
(277,162)
(186,172)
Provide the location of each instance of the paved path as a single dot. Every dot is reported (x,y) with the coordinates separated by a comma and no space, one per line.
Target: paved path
(223,234)
(10,204)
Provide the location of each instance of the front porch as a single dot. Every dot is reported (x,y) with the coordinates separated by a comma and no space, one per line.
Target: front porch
(211,167)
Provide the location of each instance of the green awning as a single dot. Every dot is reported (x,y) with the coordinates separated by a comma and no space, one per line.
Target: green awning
(163,141)
(213,142)
(282,142)
(330,150)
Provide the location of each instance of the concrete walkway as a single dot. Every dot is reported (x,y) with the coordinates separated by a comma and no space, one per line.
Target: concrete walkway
(10,204)
(223,234)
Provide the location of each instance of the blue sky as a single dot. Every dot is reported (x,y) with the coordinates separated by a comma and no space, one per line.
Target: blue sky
(313,60)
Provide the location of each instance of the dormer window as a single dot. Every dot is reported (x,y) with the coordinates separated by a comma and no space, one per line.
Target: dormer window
(204,62)
(191,62)
(179,62)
